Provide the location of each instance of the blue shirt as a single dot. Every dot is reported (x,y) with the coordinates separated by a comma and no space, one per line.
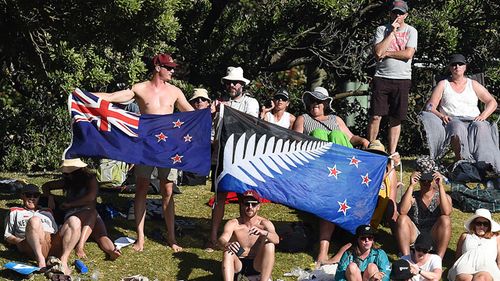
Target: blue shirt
(376,256)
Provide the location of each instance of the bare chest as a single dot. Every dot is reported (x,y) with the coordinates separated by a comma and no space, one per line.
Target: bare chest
(156,101)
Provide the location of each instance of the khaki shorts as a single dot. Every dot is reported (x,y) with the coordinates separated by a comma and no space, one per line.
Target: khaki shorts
(163,173)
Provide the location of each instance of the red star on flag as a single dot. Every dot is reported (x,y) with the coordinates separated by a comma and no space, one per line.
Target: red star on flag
(187,138)
(343,207)
(334,172)
(177,158)
(161,137)
(366,180)
(178,123)
(354,161)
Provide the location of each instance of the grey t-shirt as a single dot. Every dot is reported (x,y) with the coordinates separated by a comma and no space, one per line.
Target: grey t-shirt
(394,68)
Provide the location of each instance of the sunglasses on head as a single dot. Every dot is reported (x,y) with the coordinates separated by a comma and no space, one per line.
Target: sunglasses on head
(457,64)
(169,68)
(251,204)
(482,223)
(32,194)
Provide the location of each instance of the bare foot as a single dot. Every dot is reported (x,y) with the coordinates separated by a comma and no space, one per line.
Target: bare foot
(176,248)
(80,253)
(113,255)
(65,269)
(210,246)
(138,246)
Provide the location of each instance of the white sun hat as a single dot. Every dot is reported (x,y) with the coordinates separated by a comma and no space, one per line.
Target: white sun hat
(235,74)
(71,165)
(200,93)
(483,213)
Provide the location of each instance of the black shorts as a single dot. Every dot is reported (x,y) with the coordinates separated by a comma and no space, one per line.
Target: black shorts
(390,97)
(247,268)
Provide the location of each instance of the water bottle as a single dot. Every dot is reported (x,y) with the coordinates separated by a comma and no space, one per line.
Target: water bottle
(82,268)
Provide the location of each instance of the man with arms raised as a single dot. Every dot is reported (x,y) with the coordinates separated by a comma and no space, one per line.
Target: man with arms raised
(155,96)
(248,241)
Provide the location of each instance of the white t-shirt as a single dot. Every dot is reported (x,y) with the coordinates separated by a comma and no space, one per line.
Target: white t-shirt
(18,218)
(432,263)
(246,104)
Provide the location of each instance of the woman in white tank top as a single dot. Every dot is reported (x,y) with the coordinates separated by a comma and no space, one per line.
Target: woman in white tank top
(277,113)
(454,101)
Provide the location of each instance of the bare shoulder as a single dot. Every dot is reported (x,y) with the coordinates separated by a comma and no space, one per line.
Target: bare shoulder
(265,222)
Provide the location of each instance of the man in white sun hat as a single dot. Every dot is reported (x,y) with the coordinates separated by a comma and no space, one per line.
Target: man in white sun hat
(234,83)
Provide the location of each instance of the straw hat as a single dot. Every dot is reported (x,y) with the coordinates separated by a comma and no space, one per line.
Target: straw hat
(483,213)
(235,74)
(71,165)
(377,147)
(200,93)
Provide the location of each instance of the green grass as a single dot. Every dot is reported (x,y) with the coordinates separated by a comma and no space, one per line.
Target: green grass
(158,260)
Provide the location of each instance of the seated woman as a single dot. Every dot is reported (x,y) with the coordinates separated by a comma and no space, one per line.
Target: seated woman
(478,250)
(80,188)
(277,113)
(363,261)
(321,123)
(453,116)
(423,264)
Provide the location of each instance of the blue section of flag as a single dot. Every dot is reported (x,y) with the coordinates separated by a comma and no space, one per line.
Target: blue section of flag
(102,130)
(336,183)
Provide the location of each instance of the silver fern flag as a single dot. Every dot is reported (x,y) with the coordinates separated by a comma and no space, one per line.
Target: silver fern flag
(334,182)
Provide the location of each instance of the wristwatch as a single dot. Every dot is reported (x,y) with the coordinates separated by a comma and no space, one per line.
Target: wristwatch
(419,270)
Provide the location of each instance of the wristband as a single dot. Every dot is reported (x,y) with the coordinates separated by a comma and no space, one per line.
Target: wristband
(419,271)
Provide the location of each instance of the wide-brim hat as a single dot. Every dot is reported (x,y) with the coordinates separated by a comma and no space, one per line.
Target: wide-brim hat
(483,213)
(235,74)
(377,147)
(200,93)
(71,165)
(319,93)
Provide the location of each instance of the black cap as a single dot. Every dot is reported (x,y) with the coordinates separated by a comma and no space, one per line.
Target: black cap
(365,230)
(282,93)
(457,58)
(424,242)
(401,270)
(30,188)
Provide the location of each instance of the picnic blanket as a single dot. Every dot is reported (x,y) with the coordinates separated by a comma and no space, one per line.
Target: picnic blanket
(470,199)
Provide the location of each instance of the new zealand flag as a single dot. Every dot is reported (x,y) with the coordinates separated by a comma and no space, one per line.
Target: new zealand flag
(103,130)
(336,183)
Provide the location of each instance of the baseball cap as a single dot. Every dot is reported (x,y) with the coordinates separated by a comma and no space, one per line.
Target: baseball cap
(365,230)
(164,59)
(400,5)
(30,188)
(457,58)
(282,93)
(401,270)
(252,194)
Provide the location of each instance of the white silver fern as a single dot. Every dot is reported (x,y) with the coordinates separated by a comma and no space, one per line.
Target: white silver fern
(258,158)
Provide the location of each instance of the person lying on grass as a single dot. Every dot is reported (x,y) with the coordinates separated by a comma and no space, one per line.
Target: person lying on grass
(249,241)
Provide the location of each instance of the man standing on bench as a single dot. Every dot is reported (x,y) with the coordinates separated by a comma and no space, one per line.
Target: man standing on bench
(248,241)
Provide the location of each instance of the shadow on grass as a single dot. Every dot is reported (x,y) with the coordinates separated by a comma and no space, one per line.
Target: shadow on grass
(191,261)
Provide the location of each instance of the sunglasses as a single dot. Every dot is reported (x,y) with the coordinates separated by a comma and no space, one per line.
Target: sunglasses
(169,68)
(251,204)
(364,238)
(418,249)
(280,98)
(398,12)
(200,100)
(457,64)
(482,223)
(32,194)
(229,82)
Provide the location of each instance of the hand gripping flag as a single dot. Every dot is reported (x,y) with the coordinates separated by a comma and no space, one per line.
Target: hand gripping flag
(101,129)
(336,183)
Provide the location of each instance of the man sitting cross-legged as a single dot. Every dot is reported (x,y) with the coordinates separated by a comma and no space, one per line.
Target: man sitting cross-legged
(248,241)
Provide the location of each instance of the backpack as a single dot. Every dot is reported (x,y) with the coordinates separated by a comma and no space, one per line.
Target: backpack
(112,172)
